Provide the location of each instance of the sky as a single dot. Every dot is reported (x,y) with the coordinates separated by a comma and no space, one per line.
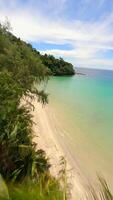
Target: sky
(80,31)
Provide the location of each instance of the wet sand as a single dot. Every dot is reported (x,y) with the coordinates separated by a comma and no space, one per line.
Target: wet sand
(50,137)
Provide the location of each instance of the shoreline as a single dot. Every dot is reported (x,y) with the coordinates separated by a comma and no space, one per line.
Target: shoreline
(49,137)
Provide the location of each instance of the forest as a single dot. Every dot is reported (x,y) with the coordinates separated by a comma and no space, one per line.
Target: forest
(24,169)
(21,71)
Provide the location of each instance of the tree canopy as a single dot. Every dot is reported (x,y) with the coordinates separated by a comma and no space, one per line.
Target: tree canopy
(58,67)
(21,71)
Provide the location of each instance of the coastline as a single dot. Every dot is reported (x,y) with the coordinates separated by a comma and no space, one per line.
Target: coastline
(49,137)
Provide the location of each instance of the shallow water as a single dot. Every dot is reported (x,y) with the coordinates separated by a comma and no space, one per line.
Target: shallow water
(84,107)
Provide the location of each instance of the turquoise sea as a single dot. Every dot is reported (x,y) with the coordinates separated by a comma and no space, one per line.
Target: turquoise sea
(83,105)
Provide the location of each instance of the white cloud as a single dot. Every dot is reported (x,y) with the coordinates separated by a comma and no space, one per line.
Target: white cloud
(94,63)
(82,58)
(77,53)
(86,38)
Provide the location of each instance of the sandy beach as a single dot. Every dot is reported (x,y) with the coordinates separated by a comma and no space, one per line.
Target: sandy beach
(50,137)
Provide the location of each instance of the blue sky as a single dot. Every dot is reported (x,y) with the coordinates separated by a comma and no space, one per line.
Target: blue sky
(80,31)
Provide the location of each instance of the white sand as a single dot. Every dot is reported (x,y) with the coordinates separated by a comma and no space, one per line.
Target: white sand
(50,138)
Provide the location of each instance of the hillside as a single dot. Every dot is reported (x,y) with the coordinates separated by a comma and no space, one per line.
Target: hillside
(22,165)
(24,168)
(56,66)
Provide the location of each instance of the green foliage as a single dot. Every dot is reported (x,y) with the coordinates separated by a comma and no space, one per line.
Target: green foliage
(52,191)
(20,71)
(16,134)
(4,193)
(35,191)
(58,67)
(46,188)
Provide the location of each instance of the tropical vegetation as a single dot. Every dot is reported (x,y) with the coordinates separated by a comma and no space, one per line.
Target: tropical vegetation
(21,71)
(23,167)
(58,67)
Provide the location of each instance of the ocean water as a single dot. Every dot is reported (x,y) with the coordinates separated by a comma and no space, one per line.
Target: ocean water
(83,105)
